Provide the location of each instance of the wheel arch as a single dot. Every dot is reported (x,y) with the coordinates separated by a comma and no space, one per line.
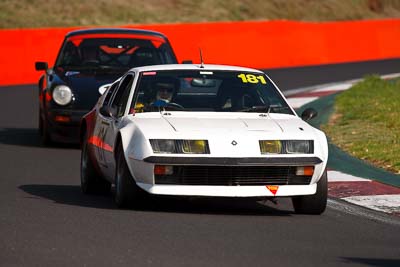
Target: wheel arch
(87,125)
(123,142)
(117,143)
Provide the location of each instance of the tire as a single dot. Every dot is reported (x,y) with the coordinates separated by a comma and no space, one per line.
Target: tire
(313,204)
(44,134)
(91,182)
(127,193)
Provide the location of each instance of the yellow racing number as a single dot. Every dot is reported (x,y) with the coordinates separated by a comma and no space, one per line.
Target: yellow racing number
(251,78)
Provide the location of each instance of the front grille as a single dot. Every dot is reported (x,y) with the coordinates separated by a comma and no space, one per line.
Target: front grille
(233,175)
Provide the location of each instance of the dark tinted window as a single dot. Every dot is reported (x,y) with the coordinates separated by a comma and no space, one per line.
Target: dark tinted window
(121,96)
(109,93)
(221,91)
(113,53)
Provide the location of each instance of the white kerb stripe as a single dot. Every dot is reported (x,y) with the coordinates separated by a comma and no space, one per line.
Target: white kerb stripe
(297,102)
(336,176)
(337,87)
(385,203)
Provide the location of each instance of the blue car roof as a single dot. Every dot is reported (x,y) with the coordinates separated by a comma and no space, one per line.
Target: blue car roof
(115,31)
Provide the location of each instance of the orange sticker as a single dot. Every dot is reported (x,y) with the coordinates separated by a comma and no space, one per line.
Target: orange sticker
(273,189)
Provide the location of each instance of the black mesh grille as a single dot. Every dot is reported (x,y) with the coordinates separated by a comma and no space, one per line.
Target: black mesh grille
(233,175)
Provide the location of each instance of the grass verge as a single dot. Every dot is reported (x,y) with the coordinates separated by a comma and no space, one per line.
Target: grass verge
(366,123)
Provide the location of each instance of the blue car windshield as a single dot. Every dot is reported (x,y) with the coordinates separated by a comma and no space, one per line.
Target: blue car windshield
(216,91)
(110,52)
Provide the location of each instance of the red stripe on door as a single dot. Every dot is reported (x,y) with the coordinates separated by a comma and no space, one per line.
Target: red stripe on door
(96,141)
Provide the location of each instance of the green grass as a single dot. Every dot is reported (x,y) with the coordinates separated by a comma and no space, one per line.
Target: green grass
(366,122)
(59,13)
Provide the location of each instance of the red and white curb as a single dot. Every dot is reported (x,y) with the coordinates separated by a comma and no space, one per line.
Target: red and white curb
(357,190)
(364,192)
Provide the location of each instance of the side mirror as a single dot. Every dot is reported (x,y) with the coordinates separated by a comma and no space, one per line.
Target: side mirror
(104,88)
(41,65)
(308,114)
(187,61)
(106,111)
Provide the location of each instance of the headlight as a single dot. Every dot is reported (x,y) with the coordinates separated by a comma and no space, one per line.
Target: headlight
(286,146)
(163,146)
(299,146)
(195,147)
(270,146)
(62,95)
(170,146)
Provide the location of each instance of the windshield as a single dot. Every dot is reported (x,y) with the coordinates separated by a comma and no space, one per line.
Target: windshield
(113,52)
(215,91)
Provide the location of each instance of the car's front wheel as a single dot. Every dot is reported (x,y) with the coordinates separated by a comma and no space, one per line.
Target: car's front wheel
(127,193)
(313,204)
(91,182)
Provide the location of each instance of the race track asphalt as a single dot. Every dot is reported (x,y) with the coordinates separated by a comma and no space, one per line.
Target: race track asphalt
(46,221)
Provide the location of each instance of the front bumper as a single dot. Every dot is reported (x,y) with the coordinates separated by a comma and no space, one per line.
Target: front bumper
(65,131)
(229,191)
(229,177)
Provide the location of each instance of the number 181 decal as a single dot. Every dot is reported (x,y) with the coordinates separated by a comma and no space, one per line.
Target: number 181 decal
(250,78)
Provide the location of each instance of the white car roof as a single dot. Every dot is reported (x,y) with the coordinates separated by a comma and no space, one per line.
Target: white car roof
(205,67)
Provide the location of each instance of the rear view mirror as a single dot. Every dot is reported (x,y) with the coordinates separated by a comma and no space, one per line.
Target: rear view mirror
(202,82)
(308,114)
(41,65)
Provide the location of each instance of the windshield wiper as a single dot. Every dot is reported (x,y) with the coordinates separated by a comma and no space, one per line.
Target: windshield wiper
(93,67)
(111,67)
(277,109)
(259,109)
(108,68)
(265,109)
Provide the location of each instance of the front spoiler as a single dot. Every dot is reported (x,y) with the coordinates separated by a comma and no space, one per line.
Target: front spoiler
(229,191)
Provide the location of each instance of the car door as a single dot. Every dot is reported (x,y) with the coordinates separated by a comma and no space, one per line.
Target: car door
(100,128)
(111,125)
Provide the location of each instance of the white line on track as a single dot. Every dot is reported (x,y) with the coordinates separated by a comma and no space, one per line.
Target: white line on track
(355,210)
(331,85)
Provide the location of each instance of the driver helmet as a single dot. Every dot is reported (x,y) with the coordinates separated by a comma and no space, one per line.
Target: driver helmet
(165,89)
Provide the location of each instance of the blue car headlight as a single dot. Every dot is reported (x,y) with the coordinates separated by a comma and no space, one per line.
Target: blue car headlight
(62,95)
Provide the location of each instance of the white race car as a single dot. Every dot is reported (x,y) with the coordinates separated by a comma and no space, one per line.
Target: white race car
(202,130)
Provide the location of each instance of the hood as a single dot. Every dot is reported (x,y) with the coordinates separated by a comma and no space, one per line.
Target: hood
(222,123)
(279,126)
(85,86)
(228,134)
